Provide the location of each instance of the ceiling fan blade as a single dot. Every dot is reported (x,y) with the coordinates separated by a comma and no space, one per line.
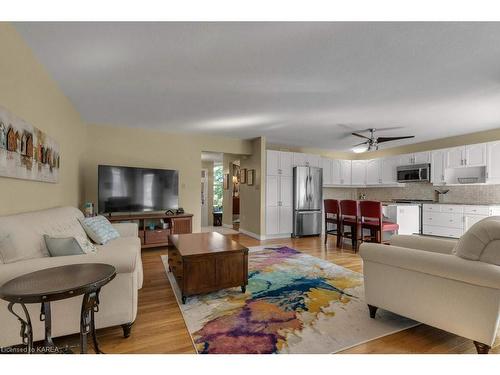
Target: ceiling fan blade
(389,128)
(360,144)
(361,136)
(388,139)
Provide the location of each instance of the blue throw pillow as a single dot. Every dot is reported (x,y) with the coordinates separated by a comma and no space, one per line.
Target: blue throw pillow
(99,229)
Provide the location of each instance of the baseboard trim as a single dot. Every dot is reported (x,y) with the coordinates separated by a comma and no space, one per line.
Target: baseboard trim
(227,226)
(273,236)
(252,234)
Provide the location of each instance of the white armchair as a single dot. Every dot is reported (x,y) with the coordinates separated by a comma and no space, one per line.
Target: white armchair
(421,278)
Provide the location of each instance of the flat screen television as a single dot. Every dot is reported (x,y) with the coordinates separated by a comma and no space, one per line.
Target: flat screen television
(127,189)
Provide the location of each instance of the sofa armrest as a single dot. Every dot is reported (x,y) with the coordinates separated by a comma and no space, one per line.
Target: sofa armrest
(127,229)
(436,264)
(435,245)
(123,258)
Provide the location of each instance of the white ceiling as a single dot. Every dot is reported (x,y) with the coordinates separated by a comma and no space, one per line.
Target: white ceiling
(302,84)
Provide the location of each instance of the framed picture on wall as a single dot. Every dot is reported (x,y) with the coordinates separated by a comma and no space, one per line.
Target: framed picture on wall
(250,176)
(226,181)
(243,176)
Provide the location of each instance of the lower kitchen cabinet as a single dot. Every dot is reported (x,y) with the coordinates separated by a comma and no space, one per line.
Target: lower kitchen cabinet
(452,220)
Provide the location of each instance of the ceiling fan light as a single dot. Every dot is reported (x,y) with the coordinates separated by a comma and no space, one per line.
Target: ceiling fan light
(359,149)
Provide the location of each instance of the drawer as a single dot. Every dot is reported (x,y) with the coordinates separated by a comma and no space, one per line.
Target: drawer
(454,208)
(444,219)
(156,236)
(442,231)
(477,210)
(432,207)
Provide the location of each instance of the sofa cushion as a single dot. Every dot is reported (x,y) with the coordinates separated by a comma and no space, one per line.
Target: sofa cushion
(99,229)
(481,242)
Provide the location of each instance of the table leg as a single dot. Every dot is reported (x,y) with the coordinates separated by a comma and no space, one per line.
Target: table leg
(46,316)
(90,305)
(26,329)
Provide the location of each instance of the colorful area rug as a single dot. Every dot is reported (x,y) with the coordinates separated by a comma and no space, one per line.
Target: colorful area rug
(295,303)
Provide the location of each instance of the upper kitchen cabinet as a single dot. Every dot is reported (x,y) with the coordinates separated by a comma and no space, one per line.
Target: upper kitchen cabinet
(438,167)
(493,166)
(341,173)
(373,172)
(279,163)
(327,165)
(306,160)
(417,158)
(466,156)
(358,172)
(388,173)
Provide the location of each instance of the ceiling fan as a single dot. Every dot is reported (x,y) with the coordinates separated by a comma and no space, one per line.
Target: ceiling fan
(373,142)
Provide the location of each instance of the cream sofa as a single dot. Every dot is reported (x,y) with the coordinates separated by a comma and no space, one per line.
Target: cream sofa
(118,299)
(421,278)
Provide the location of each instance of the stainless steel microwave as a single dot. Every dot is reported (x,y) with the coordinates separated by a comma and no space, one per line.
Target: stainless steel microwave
(414,173)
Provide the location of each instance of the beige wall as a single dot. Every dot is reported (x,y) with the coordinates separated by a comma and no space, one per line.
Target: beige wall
(29,92)
(155,149)
(209,166)
(308,150)
(252,198)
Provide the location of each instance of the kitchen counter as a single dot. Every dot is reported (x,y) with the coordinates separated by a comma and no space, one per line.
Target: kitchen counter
(387,203)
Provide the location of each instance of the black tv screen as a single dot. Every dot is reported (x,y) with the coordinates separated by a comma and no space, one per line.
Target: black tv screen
(127,189)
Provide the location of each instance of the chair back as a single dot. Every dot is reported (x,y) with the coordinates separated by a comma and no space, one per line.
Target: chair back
(370,211)
(349,208)
(332,207)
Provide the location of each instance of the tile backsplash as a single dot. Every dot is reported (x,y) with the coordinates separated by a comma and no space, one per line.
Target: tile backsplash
(480,194)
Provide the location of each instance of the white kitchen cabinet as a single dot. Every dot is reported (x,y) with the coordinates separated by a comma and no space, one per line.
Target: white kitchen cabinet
(416,158)
(358,172)
(422,157)
(470,220)
(388,168)
(299,159)
(279,163)
(327,165)
(467,156)
(313,160)
(475,155)
(341,174)
(373,172)
(438,167)
(337,172)
(279,203)
(493,163)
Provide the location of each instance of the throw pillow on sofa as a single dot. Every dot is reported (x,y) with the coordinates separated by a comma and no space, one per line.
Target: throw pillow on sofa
(99,229)
(481,242)
(62,246)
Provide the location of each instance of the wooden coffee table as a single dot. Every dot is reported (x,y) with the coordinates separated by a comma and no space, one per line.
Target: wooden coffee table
(207,262)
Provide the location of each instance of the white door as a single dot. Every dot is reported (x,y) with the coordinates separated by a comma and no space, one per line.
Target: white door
(272,220)
(388,170)
(285,219)
(345,172)
(438,167)
(204,198)
(422,157)
(285,191)
(336,172)
(405,159)
(272,162)
(358,172)
(493,166)
(455,157)
(373,172)
(300,159)
(475,155)
(327,165)
(286,163)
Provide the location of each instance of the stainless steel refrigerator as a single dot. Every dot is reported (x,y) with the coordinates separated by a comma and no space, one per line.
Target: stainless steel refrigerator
(307,201)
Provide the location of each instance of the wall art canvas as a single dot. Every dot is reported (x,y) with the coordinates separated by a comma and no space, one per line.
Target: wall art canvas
(25,151)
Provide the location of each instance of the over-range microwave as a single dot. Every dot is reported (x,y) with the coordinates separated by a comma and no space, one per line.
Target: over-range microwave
(414,173)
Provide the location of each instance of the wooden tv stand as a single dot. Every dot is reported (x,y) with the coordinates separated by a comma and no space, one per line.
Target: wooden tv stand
(178,224)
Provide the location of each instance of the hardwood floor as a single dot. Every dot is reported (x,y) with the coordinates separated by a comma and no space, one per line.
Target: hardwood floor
(160,328)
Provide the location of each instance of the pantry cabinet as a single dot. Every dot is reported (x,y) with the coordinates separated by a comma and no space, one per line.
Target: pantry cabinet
(279,163)
(279,213)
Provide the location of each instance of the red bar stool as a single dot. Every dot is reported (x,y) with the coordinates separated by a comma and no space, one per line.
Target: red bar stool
(372,219)
(349,217)
(332,217)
